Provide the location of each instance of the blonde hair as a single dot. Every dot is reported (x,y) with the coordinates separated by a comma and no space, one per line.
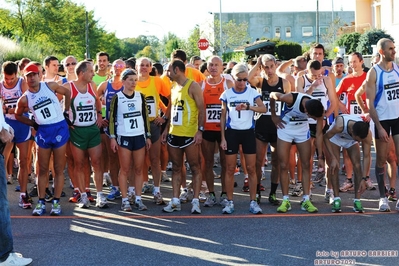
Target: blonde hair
(239,68)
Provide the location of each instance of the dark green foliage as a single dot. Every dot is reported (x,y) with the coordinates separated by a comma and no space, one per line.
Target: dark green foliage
(285,50)
(370,38)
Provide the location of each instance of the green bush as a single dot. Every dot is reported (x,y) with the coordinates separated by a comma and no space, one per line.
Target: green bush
(234,56)
(350,41)
(285,50)
(369,38)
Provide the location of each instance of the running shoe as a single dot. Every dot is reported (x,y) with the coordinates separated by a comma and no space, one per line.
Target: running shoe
(147,188)
(16,259)
(336,206)
(139,205)
(158,199)
(369,184)
(223,200)
(131,197)
(89,196)
(33,191)
(298,191)
(114,194)
(202,197)
(307,205)
(392,195)
(229,208)
(346,186)
(273,200)
(165,177)
(215,175)
(10,180)
(106,180)
(261,187)
(357,207)
(186,195)
(397,205)
(258,196)
(17,188)
(172,206)
(254,207)
(292,184)
(39,210)
(24,202)
(329,197)
(126,206)
(210,201)
(383,205)
(195,207)
(75,197)
(84,202)
(169,166)
(245,188)
(101,201)
(55,209)
(263,177)
(319,175)
(284,206)
(237,171)
(49,195)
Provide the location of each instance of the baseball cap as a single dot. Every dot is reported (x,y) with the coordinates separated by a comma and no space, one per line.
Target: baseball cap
(326,62)
(338,60)
(299,59)
(31,68)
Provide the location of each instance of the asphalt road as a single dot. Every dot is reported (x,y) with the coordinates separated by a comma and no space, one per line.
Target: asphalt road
(112,237)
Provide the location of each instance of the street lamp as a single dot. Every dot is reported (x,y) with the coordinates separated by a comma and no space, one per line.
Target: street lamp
(163,44)
(220,30)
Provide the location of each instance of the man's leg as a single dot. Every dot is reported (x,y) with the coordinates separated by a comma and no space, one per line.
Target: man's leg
(207,148)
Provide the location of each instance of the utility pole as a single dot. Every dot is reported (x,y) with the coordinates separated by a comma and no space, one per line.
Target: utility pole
(87,35)
(317,21)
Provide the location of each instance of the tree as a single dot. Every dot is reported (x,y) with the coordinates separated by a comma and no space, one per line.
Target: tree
(349,41)
(147,52)
(369,38)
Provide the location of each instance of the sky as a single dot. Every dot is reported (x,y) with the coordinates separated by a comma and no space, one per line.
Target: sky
(125,17)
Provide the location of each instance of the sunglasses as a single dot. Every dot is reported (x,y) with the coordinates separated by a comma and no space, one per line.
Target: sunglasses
(70,64)
(119,66)
(245,79)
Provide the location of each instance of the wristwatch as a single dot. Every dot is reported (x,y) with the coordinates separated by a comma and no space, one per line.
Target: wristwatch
(201,128)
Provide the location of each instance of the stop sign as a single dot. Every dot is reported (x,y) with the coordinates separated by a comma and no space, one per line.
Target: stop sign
(203,44)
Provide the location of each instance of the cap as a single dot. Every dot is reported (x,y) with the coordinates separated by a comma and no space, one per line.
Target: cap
(31,68)
(299,59)
(326,62)
(338,60)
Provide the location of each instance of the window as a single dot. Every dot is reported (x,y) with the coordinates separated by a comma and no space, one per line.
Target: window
(266,29)
(288,32)
(277,32)
(307,31)
(323,30)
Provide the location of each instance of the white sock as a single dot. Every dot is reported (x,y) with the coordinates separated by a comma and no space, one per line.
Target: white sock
(156,190)
(138,198)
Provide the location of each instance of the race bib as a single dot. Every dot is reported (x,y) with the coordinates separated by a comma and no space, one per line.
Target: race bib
(354,108)
(177,115)
(44,111)
(213,113)
(152,111)
(268,110)
(133,123)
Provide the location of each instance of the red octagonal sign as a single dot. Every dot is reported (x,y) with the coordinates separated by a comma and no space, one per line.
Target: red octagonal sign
(203,44)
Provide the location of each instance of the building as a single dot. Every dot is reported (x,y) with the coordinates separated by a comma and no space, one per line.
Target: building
(297,27)
(380,14)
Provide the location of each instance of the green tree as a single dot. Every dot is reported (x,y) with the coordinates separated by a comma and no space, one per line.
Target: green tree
(147,52)
(369,38)
(349,41)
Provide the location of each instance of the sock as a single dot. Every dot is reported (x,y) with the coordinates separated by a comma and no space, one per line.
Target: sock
(246,176)
(156,190)
(124,199)
(99,194)
(138,198)
(22,194)
(273,188)
(328,190)
(83,195)
(356,200)
(337,198)
(176,200)
(88,189)
(56,200)
(132,190)
(305,197)
(379,174)
(116,187)
(163,172)
(286,197)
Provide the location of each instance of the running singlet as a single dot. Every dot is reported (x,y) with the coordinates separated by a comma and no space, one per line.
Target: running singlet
(129,114)
(386,100)
(345,134)
(320,93)
(244,119)
(212,104)
(184,118)
(44,105)
(265,120)
(109,93)
(151,89)
(11,96)
(295,114)
(83,106)
(349,85)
